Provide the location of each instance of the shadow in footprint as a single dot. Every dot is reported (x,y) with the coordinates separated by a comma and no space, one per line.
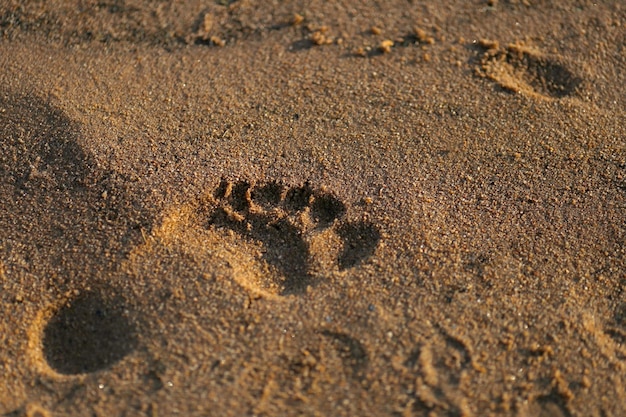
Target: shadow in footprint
(284,246)
(360,241)
(618,330)
(551,405)
(546,76)
(268,195)
(352,352)
(326,208)
(285,250)
(88,334)
(285,221)
(298,198)
(519,69)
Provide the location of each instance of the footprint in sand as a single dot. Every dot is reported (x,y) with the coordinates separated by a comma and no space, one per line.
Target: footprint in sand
(87,334)
(296,235)
(521,69)
(275,240)
(53,206)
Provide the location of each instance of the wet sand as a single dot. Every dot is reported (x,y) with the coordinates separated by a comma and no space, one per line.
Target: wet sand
(313,208)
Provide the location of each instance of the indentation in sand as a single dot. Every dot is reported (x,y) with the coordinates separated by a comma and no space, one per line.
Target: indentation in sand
(439,368)
(86,334)
(352,352)
(522,69)
(286,222)
(275,240)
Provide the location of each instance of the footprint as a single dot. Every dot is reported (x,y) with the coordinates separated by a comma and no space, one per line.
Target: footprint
(87,334)
(521,69)
(352,352)
(297,233)
(551,405)
(438,370)
(52,222)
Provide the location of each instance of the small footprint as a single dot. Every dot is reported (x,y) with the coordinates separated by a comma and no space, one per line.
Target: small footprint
(521,69)
(353,353)
(551,405)
(439,368)
(291,227)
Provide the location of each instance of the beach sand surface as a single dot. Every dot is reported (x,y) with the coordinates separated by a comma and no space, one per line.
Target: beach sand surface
(264,208)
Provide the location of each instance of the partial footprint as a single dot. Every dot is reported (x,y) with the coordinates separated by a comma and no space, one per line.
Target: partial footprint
(86,334)
(616,330)
(522,69)
(352,352)
(296,232)
(551,405)
(438,370)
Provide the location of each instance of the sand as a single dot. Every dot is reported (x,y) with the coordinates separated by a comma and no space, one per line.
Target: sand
(313,208)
